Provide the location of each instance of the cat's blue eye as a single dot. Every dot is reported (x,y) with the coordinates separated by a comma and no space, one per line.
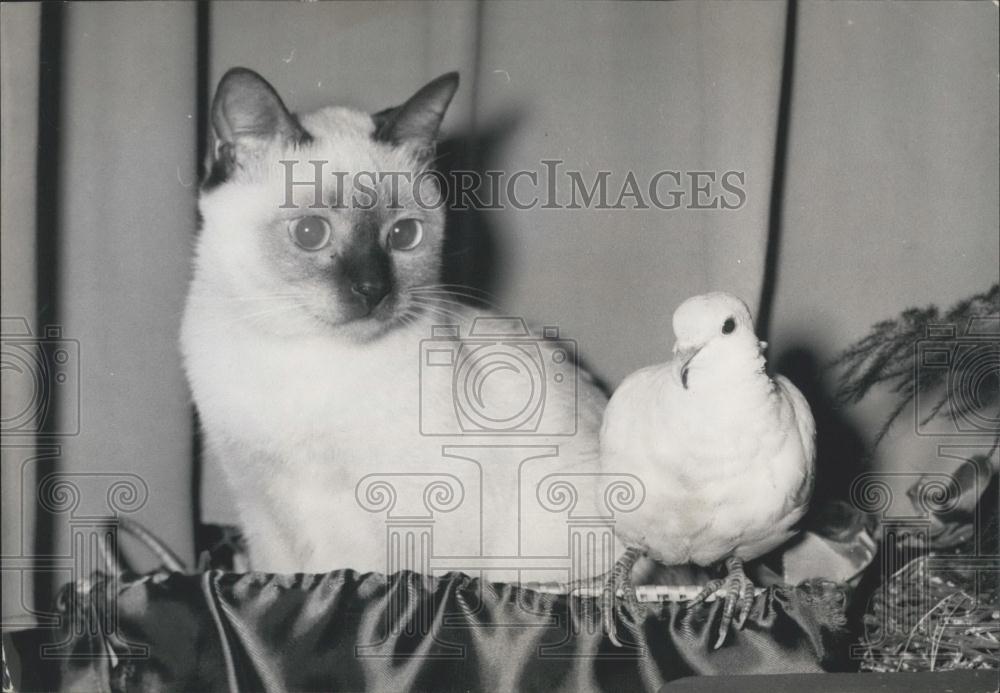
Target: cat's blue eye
(310,233)
(406,234)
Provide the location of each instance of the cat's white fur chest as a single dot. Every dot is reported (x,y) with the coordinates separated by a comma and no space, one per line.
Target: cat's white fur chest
(291,394)
(297,425)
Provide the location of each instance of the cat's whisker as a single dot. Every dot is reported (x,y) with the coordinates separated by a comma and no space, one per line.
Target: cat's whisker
(446,301)
(407,318)
(463,287)
(249,299)
(273,310)
(246,316)
(251,317)
(456,299)
(438,314)
(225,304)
(438,309)
(431,162)
(410,316)
(457,291)
(454,292)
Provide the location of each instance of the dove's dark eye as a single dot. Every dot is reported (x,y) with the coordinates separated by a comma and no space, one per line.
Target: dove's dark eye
(728,326)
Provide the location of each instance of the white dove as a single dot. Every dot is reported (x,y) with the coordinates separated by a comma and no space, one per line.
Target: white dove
(725,453)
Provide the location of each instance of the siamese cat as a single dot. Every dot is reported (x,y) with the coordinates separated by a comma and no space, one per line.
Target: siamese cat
(341,388)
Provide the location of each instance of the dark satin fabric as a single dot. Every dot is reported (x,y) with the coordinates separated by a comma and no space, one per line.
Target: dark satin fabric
(346,631)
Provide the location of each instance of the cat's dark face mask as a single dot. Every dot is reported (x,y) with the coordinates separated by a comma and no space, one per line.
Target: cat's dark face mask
(363,271)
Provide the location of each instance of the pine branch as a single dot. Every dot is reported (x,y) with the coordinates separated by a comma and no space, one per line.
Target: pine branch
(888,355)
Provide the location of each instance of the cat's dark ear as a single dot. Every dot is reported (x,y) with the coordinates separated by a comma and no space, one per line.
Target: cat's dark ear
(247,113)
(419,119)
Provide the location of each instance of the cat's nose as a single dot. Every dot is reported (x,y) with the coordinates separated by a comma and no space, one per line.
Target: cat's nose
(370,292)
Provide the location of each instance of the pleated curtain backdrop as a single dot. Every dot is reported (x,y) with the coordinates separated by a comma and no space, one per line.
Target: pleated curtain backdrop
(877,121)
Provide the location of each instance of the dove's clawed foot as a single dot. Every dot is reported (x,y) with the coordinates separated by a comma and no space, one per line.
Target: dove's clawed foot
(738,598)
(621,575)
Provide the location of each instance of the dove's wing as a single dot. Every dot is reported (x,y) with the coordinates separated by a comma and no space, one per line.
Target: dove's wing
(803,416)
(796,417)
(806,427)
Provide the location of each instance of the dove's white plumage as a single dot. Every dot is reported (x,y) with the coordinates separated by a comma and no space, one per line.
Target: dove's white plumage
(725,452)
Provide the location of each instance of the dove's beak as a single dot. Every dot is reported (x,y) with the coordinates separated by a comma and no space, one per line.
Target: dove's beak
(685,356)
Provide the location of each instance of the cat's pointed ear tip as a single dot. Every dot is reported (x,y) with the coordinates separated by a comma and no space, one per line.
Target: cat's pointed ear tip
(246,105)
(239,74)
(450,79)
(238,70)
